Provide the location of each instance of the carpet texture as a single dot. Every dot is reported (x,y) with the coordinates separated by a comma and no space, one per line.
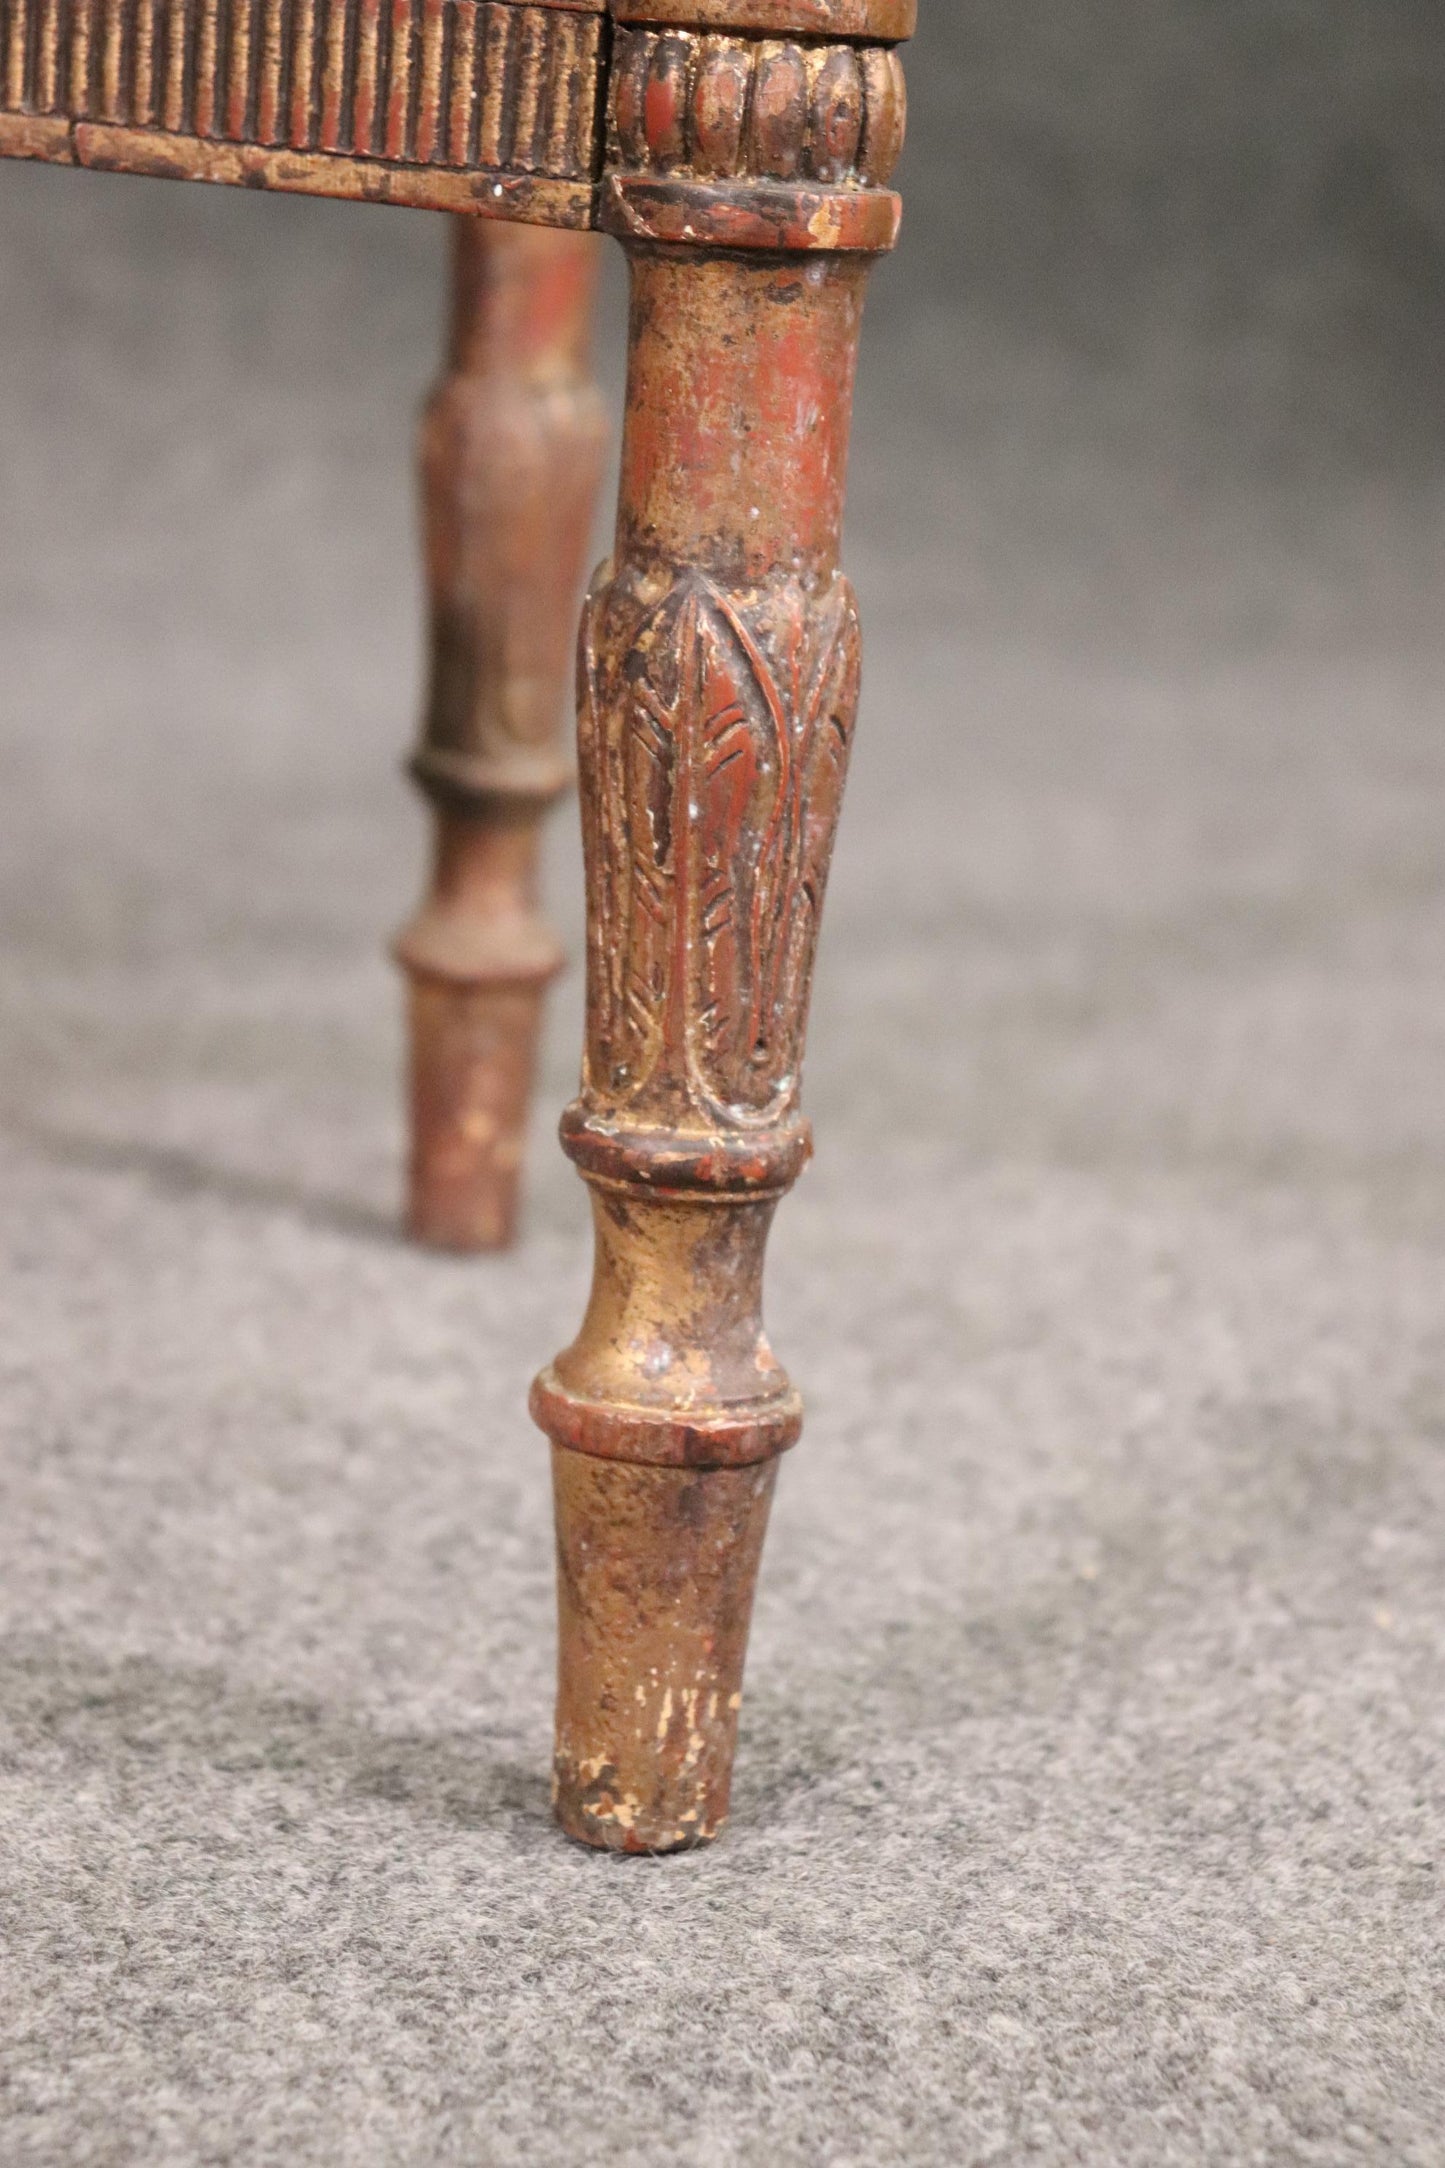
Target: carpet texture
(1090,1789)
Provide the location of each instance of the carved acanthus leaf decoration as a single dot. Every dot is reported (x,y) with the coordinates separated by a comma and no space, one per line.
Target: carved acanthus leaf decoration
(715,731)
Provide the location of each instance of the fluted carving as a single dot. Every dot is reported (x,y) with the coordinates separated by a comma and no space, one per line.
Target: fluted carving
(406,100)
(431,82)
(487,105)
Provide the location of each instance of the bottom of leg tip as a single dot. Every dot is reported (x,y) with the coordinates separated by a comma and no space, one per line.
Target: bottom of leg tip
(460,1241)
(462,1226)
(602,1836)
(602,1817)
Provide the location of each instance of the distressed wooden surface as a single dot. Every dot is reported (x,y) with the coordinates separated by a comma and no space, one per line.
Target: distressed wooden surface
(744,165)
(490,106)
(874,22)
(511,449)
(718,689)
(482,105)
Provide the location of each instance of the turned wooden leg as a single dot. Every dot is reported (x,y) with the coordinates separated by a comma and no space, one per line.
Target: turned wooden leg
(511,446)
(719,682)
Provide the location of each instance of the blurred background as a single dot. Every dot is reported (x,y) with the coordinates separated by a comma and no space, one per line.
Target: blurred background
(1091,1774)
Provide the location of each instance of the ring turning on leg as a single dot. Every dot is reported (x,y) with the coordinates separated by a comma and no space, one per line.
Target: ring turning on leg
(719,675)
(511,447)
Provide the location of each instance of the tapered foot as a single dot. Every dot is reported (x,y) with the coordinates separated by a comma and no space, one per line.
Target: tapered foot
(718,680)
(473,1055)
(656,1570)
(478,959)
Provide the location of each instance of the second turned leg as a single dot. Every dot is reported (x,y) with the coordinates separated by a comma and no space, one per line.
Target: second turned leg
(511,446)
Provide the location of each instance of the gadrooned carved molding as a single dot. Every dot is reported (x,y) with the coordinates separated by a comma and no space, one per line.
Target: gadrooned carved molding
(723,107)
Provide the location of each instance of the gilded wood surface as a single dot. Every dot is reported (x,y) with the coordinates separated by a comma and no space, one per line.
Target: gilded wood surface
(770,109)
(486,105)
(746,160)
(715,732)
(880,22)
(746,170)
(423,86)
(718,687)
(719,137)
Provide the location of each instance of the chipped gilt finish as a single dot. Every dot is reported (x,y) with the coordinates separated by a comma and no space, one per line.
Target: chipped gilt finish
(741,151)
(444,104)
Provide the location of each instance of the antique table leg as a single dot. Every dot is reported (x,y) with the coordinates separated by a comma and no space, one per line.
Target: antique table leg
(511,447)
(719,679)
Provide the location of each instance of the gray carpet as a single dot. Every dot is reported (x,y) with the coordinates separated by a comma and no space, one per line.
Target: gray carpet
(1090,1791)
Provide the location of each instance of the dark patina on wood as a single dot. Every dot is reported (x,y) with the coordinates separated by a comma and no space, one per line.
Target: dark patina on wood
(511,447)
